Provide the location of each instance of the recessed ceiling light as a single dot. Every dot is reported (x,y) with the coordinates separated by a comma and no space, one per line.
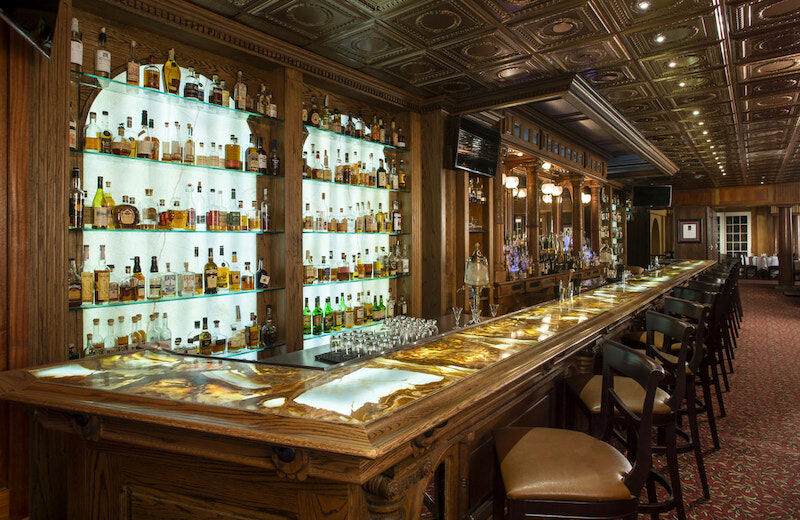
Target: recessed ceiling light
(643,5)
(682,84)
(712,146)
(724,174)
(715,153)
(695,112)
(701,123)
(708,140)
(705,132)
(762,182)
(661,38)
(672,64)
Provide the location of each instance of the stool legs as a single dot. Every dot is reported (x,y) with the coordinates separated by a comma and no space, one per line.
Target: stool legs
(694,430)
(671,441)
(709,407)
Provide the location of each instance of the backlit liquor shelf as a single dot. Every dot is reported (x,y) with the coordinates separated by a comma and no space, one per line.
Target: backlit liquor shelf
(178,231)
(173,168)
(171,299)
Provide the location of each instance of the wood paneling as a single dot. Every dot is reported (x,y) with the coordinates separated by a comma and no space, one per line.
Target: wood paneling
(785,275)
(740,196)
(293,201)
(704,249)
(4,503)
(432,194)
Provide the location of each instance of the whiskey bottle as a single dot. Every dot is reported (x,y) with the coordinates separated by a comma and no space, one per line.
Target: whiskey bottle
(76,200)
(274,160)
(176,145)
(314,116)
(248,278)
(243,220)
(397,217)
(349,314)
(382,176)
(272,107)
(155,143)
(233,155)
(169,283)
(74,285)
(199,272)
(401,140)
(205,340)
(222,270)
(240,93)
(190,87)
(125,215)
(269,332)
(154,281)
(105,134)
(122,335)
(262,276)
(220,340)
(186,281)
(120,145)
(263,159)
(328,318)
(210,274)
(215,91)
(127,289)
(234,275)
(150,75)
(254,218)
(73,129)
(102,278)
(132,70)
(309,270)
(307,319)
(76,47)
(234,216)
(87,278)
(239,335)
(251,156)
(102,56)
(140,286)
(172,74)
(266,212)
(113,284)
(100,211)
(188,146)
(317,319)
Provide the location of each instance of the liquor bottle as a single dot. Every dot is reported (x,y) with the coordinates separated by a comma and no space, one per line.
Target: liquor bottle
(263,159)
(76,200)
(154,281)
(102,278)
(237,340)
(150,75)
(73,129)
(165,334)
(222,212)
(401,140)
(308,218)
(328,319)
(210,274)
(155,143)
(215,91)
(368,316)
(110,336)
(375,133)
(251,156)
(253,331)
(325,124)
(349,314)
(222,270)
(309,270)
(189,201)
(397,217)
(234,216)
(102,56)
(225,94)
(176,145)
(132,70)
(266,212)
(269,332)
(233,155)
(243,218)
(172,74)
(317,318)
(186,282)
(199,272)
(240,93)
(169,283)
(359,311)
(383,181)
(220,339)
(74,285)
(120,144)
(390,305)
(234,275)
(125,215)
(190,86)
(164,215)
(314,117)
(272,107)
(262,276)
(248,278)
(137,280)
(188,146)
(122,340)
(101,214)
(261,101)
(105,133)
(304,115)
(126,288)
(307,319)
(76,47)
(274,167)
(204,340)
(343,271)
(166,144)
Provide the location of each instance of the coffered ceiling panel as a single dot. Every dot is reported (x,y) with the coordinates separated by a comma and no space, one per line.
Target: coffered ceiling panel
(666,65)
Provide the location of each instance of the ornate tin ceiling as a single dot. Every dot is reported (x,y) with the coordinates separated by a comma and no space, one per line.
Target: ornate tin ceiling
(713,84)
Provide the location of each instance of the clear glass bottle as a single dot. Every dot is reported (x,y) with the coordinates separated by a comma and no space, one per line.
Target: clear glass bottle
(186,282)
(233,155)
(266,212)
(234,275)
(154,281)
(102,279)
(220,339)
(165,334)
(240,93)
(188,146)
(76,48)
(73,284)
(176,145)
(169,283)
(132,68)
(190,85)
(150,75)
(248,278)
(102,56)
(148,213)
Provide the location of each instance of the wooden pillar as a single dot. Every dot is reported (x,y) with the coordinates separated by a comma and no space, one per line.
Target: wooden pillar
(293,203)
(532,203)
(499,222)
(433,199)
(796,235)
(595,218)
(557,215)
(785,275)
(577,217)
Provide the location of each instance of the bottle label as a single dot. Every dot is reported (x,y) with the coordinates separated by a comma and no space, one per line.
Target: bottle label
(126,216)
(338,318)
(315,118)
(76,52)
(205,346)
(262,161)
(87,287)
(317,323)
(211,280)
(349,319)
(264,280)
(187,284)
(222,278)
(237,341)
(113,291)
(253,160)
(247,283)
(105,142)
(328,322)
(102,281)
(307,323)
(144,148)
(273,110)
(397,223)
(253,335)
(155,288)
(132,73)
(235,279)
(102,61)
(100,217)
(169,285)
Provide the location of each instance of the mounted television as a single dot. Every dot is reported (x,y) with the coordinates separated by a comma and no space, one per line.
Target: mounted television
(477,148)
(652,196)
(34,20)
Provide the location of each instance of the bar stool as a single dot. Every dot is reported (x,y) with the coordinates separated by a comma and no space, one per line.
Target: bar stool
(553,473)
(665,412)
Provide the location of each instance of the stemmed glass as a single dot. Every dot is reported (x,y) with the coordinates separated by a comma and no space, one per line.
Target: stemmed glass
(493,308)
(457,314)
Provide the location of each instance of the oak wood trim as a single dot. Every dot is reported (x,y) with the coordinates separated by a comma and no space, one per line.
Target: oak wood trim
(4,504)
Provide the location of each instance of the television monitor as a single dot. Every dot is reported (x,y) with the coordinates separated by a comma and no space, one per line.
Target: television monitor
(652,196)
(477,148)
(34,20)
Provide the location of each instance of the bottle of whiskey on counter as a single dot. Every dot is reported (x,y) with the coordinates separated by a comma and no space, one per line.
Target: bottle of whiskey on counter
(172,74)
(102,56)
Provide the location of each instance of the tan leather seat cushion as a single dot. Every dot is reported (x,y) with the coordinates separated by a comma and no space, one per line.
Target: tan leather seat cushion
(631,393)
(552,464)
(674,359)
(658,339)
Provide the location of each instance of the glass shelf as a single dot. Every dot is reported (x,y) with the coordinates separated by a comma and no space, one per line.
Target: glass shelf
(165,300)
(158,96)
(238,353)
(333,333)
(176,231)
(172,165)
(355,281)
(347,138)
(355,186)
(477,231)
(307,232)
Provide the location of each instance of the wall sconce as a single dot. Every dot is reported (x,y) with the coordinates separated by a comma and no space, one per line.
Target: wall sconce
(522,193)
(547,198)
(586,198)
(546,165)
(557,191)
(548,187)
(512,182)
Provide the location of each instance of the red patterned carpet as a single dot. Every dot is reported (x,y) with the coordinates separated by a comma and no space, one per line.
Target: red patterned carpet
(756,474)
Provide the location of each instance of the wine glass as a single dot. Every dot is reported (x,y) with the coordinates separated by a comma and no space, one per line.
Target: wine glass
(457,314)
(493,308)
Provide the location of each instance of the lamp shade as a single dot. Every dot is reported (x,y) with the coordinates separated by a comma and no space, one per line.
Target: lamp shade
(522,193)
(547,188)
(557,190)
(547,198)
(512,182)
(586,198)
(546,165)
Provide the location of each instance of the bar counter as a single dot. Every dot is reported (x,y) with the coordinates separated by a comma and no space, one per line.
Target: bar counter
(150,434)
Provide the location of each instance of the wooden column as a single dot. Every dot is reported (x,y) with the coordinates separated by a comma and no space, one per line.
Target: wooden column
(532,211)
(785,275)
(556,210)
(796,235)
(595,218)
(432,192)
(577,217)
(499,223)
(293,202)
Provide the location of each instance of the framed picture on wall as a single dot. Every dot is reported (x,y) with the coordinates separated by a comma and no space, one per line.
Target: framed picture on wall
(690,231)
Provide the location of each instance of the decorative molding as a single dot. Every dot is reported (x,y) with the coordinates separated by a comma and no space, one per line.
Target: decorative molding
(290,464)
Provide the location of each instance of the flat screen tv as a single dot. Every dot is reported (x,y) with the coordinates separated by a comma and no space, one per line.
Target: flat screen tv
(652,196)
(35,20)
(477,148)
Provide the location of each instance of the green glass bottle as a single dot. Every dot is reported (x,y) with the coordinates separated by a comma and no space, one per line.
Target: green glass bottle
(328,321)
(307,320)
(382,308)
(317,318)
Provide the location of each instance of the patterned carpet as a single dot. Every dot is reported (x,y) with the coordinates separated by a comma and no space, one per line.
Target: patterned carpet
(756,474)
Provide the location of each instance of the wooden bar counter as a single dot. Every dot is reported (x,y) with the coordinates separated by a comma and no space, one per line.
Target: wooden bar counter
(515,294)
(148,435)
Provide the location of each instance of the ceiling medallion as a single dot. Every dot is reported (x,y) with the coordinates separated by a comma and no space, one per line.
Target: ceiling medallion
(455,86)
(560,28)
(677,34)
(371,44)
(587,56)
(309,15)
(417,68)
(779,9)
(774,101)
(776,66)
(481,50)
(774,84)
(619,95)
(512,72)
(439,20)
(779,42)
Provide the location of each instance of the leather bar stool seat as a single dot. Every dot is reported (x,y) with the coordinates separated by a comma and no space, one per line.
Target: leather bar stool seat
(554,464)
(638,339)
(631,393)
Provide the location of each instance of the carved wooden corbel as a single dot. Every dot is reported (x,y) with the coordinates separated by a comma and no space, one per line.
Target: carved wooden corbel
(87,426)
(385,494)
(290,464)
(423,443)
